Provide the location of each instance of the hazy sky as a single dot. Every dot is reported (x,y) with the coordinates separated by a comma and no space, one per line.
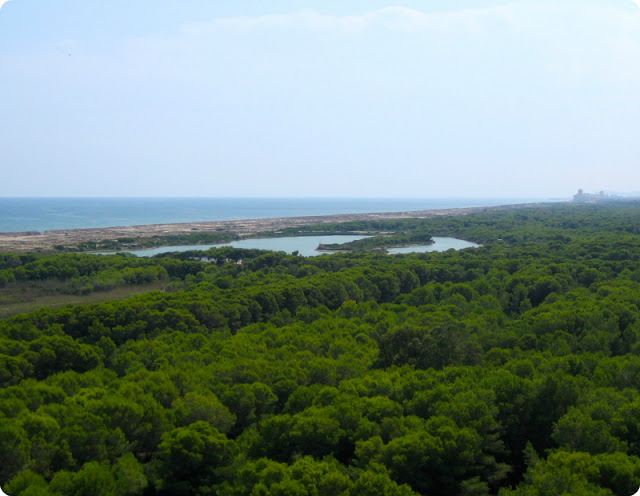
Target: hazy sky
(416,98)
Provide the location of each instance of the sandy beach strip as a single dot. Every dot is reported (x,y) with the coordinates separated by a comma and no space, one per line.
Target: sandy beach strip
(35,241)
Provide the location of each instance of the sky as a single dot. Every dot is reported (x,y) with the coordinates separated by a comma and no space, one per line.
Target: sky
(350,98)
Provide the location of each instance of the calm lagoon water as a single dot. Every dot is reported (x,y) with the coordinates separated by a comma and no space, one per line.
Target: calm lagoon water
(441,244)
(305,245)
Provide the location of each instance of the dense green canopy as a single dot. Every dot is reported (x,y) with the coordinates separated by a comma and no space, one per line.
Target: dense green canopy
(509,369)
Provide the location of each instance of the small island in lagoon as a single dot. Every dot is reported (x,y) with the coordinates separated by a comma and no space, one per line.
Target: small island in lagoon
(380,243)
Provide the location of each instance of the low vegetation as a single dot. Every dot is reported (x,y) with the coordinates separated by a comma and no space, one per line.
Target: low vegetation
(381,242)
(139,243)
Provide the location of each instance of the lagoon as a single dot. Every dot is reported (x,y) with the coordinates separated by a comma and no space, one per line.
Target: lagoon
(441,244)
(305,245)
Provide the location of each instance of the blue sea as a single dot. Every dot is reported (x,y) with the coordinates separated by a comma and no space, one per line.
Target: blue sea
(43,214)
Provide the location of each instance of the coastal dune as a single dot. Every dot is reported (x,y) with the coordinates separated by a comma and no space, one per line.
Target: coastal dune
(21,242)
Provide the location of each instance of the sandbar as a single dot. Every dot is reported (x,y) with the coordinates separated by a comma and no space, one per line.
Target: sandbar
(22,242)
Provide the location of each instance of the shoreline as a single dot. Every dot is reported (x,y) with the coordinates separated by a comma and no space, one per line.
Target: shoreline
(30,241)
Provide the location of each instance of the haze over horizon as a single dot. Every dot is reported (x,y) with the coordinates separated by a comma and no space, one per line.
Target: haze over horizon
(417,98)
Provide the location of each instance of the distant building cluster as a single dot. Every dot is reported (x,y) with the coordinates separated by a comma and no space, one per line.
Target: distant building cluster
(583,197)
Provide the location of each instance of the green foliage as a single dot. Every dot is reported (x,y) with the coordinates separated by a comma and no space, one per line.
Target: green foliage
(381,242)
(508,369)
(192,456)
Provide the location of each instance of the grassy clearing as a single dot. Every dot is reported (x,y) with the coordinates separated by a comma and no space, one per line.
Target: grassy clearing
(21,298)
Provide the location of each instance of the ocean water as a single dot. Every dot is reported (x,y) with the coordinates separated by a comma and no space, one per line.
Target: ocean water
(42,214)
